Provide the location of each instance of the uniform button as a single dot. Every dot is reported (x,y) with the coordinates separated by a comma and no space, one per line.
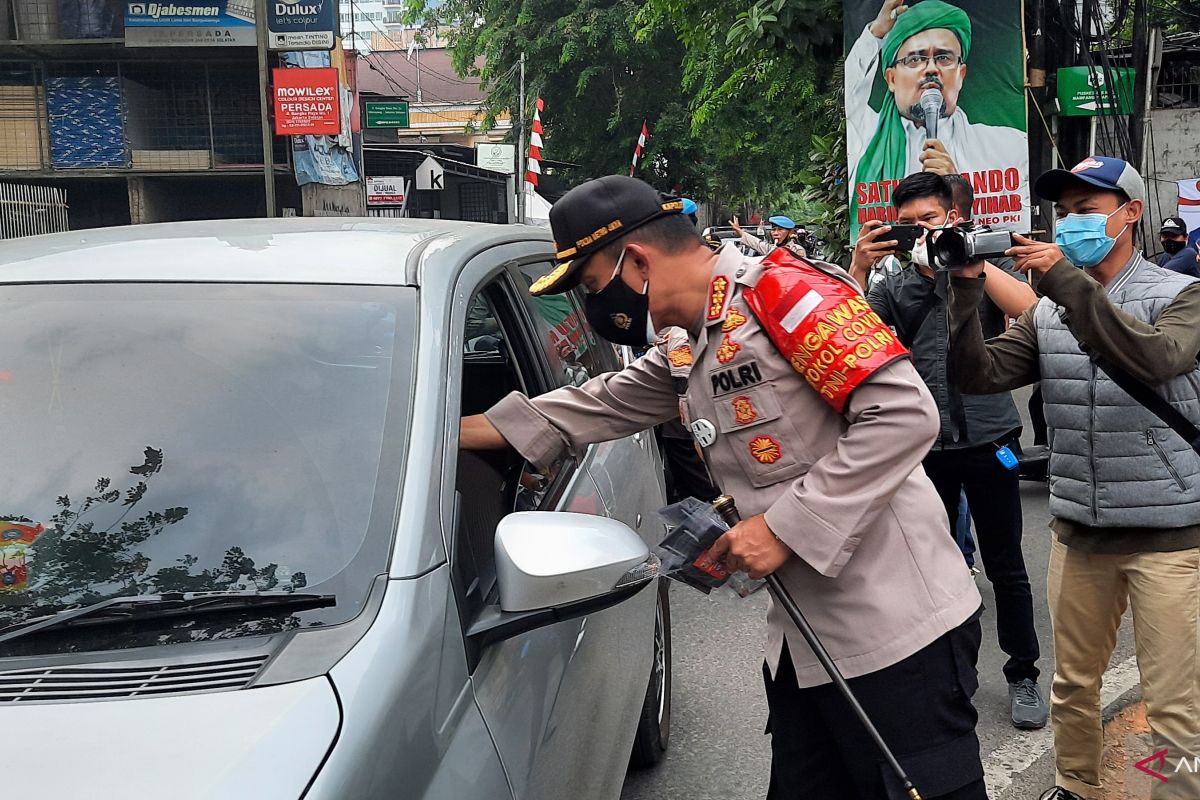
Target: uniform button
(740,272)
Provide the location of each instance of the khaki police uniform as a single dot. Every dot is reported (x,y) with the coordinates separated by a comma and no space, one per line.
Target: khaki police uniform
(876,571)
(830,452)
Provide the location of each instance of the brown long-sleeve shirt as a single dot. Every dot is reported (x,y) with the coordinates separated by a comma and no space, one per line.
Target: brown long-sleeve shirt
(1152,353)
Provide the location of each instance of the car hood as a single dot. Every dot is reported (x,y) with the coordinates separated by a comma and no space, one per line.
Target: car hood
(264,743)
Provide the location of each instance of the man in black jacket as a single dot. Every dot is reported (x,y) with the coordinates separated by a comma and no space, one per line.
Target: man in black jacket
(975,428)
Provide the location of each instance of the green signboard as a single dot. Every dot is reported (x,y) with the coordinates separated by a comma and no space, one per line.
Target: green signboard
(392,114)
(1083,92)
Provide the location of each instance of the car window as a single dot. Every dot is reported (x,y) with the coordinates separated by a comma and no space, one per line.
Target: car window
(574,351)
(497,359)
(197,437)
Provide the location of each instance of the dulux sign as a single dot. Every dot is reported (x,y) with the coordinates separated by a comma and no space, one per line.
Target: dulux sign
(301,24)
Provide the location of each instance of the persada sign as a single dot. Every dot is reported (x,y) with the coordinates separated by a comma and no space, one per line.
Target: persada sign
(306,101)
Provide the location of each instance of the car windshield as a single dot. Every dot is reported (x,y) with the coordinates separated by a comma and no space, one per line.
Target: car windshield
(197,437)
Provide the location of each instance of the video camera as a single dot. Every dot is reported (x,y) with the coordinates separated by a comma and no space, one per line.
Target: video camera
(965,244)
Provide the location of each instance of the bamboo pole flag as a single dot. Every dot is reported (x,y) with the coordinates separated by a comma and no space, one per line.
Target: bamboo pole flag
(533,167)
(637,151)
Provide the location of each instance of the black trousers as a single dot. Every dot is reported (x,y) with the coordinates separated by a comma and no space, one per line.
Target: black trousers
(922,708)
(994,497)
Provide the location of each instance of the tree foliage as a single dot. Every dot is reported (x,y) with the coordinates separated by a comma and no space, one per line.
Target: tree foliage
(732,97)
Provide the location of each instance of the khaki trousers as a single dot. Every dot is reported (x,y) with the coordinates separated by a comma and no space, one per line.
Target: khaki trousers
(1088,594)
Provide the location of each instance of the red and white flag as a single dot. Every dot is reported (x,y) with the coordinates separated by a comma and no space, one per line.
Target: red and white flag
(533,166)
(637,151)
(1189,203)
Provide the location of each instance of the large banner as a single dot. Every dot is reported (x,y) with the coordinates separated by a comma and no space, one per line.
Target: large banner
(189,23)
(972,52)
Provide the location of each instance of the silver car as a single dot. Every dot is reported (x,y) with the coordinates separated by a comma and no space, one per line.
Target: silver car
(242,557)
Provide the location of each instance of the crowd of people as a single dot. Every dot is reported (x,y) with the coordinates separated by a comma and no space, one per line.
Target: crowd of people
(839,407)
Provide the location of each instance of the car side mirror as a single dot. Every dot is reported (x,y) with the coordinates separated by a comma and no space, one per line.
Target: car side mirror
(553,566)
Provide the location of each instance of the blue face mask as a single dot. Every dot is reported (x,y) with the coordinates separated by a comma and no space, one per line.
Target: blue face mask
(1084,238)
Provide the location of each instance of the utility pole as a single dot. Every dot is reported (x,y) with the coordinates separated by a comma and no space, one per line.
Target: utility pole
(1141,90)
(264,104)
(418,43)
(521,146)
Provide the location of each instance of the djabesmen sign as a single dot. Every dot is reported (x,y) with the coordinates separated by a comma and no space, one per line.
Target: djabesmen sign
(306,101)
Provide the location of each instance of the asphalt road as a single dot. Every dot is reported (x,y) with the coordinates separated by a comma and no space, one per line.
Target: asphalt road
(718,750)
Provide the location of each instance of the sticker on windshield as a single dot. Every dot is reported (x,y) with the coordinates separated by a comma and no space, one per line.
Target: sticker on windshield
(15,541)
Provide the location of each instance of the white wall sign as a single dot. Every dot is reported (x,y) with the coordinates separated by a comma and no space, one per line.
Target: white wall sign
(430,175)
(497,157)
(386,191)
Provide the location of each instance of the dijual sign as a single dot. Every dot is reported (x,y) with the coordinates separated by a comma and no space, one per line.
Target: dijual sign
(306,101)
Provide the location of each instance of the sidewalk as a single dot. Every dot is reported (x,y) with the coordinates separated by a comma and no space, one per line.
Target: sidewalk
(1127,741)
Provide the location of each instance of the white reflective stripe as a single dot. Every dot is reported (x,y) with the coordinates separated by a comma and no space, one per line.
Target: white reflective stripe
(801,310)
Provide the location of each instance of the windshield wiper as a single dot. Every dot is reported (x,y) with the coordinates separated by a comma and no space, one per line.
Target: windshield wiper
(117,610)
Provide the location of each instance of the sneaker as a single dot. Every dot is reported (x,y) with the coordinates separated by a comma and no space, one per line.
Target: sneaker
(1029,710)
(1059,793)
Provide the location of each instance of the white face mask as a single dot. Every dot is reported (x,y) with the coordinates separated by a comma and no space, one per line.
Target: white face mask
(920,252)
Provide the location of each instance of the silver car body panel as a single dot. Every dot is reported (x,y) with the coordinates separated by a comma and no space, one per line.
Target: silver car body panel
(538,717)
(263,743)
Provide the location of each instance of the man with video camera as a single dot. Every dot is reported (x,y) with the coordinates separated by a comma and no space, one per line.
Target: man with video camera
(1124,483)
(974,428)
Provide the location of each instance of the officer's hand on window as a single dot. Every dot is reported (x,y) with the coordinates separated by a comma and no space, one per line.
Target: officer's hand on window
(751,547)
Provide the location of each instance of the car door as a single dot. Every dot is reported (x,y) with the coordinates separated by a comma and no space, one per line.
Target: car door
(628,472)
(561,702)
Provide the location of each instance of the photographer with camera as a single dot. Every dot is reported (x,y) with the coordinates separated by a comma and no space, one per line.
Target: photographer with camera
(1124,485)
(913,300)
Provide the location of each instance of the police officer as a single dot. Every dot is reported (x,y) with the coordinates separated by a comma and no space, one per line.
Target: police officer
(821,448)
(783,234)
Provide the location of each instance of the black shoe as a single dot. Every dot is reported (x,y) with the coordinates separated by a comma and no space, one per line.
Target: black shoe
(1059,793)
(1029,710)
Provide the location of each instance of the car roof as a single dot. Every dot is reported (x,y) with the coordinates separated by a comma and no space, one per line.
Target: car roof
(345,250)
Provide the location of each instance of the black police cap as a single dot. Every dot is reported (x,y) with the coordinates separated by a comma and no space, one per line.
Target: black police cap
(593,215)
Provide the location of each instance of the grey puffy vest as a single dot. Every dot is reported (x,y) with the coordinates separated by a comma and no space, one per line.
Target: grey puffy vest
(1112,462)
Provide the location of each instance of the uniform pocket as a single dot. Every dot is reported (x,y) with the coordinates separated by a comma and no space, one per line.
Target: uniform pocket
(763,439)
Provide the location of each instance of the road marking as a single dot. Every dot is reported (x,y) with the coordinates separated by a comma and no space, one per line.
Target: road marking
(1020,752)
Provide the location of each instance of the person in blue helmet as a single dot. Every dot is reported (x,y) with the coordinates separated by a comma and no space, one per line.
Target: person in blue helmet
(689,209)
(783,234)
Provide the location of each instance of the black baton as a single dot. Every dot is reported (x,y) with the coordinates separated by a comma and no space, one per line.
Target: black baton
(729,513)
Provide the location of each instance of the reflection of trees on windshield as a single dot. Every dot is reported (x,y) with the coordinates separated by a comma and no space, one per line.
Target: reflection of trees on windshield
(77,559)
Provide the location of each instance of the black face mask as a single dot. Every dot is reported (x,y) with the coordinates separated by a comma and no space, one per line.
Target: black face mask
(1172,246)
(618,313)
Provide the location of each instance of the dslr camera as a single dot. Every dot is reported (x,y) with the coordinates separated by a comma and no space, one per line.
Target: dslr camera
(965,244)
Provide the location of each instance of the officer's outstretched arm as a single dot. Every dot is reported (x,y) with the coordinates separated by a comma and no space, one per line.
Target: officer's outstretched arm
(477,432)
(607,407)
(893,423)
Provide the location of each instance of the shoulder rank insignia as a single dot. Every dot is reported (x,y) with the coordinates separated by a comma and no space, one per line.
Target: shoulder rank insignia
(716,296)
(727,350)
(825,328)
(765,450)
(734,319)
(680,356)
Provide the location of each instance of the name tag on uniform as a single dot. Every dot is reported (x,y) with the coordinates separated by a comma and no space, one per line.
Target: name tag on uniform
(704,432)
